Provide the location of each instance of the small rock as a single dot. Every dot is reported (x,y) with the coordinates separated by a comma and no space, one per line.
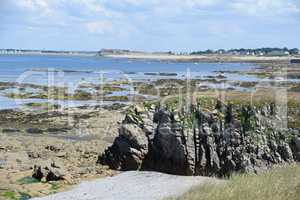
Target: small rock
(61,154)
(50,171)
(34,131)
(54,148)
(55,174)
(11,130)
(33,154)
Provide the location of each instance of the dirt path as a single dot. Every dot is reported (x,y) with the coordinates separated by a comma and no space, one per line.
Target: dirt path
(132,186)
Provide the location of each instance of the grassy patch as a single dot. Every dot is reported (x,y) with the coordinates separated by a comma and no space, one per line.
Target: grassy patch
(276,184)
(113,88)
(10,195)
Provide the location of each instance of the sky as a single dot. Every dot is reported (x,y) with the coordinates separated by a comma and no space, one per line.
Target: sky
(150,25)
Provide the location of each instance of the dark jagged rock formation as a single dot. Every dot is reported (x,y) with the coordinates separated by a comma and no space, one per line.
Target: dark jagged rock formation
(241,139)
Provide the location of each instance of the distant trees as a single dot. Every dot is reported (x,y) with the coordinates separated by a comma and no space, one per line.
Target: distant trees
(208,51)
(243,51)
(294,51)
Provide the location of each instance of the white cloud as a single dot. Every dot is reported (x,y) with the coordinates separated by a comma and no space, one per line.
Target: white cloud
(164,9)
(139,20)
(95,7)
(225,30)
(100,27)
(265,8)
(201,3)
(43,7)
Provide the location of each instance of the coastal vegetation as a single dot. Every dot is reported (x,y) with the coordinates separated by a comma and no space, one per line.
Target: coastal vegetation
(276,184)
(257,51)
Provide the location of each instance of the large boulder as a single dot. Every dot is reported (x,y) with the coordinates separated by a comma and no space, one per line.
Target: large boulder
(128,150)
(168,152)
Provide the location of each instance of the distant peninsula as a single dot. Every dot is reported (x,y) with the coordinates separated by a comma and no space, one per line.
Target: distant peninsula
(233,55)
(45,52)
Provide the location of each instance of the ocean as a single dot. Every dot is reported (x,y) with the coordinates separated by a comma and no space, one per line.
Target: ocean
(69,71)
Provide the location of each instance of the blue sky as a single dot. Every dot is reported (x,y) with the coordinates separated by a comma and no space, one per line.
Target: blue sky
(152,25)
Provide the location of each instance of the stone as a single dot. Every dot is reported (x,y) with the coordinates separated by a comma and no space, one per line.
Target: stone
(134,135)
(229,166)
(128,150)
(162,116)
(55,174)
(34,131)
(50,171)
(34,154)
(55,148)
(168,147)
(297,143)
(296,148)
(139,109)
(38,172)
(285,152)
(11,130)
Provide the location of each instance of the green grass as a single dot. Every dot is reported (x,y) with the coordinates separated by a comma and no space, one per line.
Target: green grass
(276,184)
(10,195)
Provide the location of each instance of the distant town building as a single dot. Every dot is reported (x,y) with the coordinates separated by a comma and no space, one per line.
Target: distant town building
(221,51)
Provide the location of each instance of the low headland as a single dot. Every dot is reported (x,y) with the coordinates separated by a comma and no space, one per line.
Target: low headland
(242,55)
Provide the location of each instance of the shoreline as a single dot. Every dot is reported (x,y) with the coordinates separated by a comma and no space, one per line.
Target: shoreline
(213,58)
(204,58)
(49,54)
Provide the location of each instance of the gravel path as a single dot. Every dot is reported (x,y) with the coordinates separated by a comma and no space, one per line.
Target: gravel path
(132,185)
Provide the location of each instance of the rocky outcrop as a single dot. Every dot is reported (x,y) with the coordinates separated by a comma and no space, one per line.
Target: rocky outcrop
(229,139)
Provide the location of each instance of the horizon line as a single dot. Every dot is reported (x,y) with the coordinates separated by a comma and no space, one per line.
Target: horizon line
(133,50)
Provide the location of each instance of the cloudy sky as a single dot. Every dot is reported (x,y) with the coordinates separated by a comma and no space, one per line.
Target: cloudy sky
(151,25)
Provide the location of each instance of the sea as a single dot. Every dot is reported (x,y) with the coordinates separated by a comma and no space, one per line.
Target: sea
(70,71)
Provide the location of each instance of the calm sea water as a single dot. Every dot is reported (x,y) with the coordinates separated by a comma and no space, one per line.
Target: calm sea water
(71,70)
